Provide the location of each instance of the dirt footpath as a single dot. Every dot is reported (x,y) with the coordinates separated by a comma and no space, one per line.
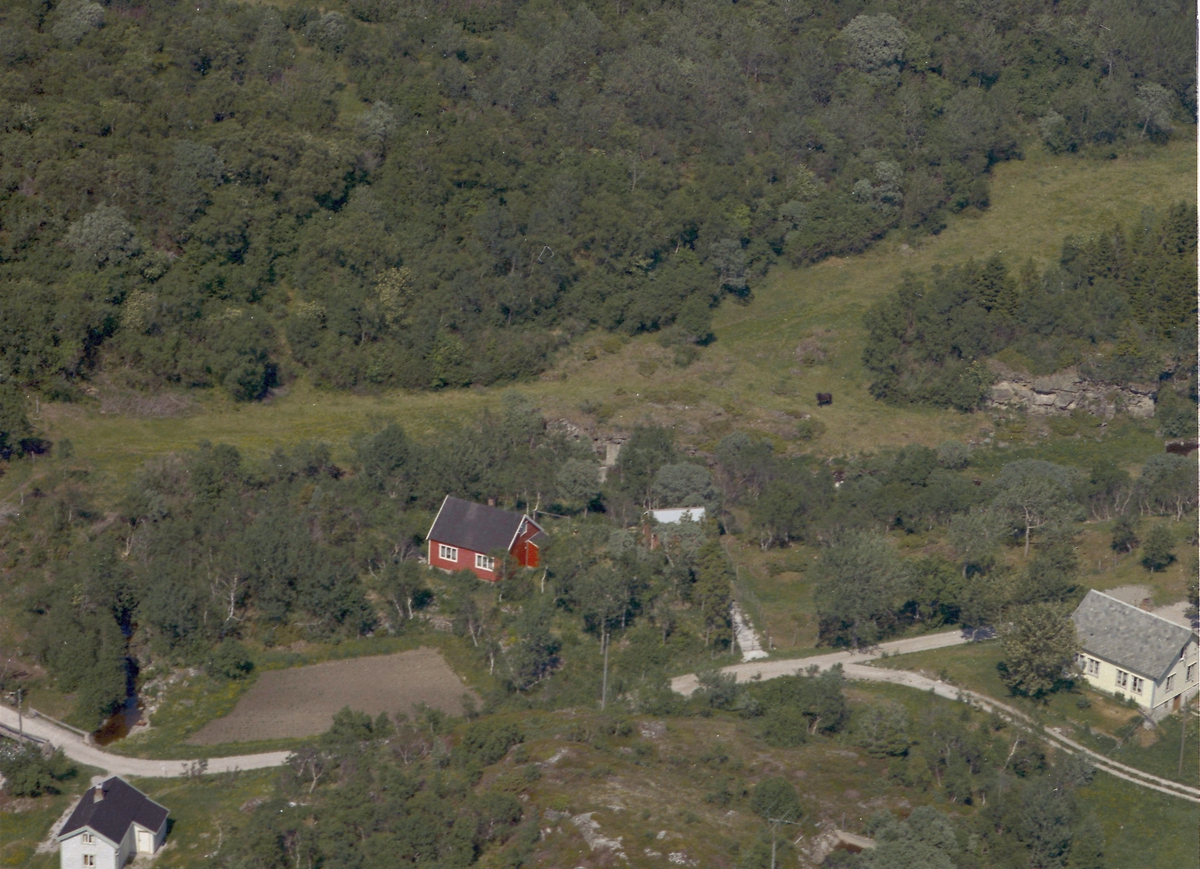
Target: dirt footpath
(302,701)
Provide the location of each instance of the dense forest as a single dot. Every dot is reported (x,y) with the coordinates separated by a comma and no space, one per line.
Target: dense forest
(1120,305)
(379,193)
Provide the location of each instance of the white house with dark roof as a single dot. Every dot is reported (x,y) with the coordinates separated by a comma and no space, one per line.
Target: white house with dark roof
(113,823)
(1129,652)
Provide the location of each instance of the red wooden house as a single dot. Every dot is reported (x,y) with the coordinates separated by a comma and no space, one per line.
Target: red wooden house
(464,536)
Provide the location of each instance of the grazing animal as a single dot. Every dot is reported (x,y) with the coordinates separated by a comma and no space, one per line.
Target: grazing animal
(1181,448)
(824,398)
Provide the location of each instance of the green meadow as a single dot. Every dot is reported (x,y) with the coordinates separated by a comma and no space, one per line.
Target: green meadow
(756,375)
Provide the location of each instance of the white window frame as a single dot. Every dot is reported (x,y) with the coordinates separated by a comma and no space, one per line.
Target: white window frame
(1139,684)
(89,860)
(1191,672)
(89,839)
(1093,667)
(1122,679)
(448,553)
(484,562)
(1171,682)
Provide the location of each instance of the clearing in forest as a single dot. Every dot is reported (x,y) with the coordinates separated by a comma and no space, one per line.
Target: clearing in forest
(302,701)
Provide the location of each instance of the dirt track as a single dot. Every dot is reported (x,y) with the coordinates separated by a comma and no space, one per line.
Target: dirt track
(301,701)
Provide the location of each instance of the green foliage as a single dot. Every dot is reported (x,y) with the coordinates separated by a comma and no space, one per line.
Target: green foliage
(75,19)
(1157,549)
(1098,306)
(775,799)
(713,592)
(29,772)
(875,42)
(926,839)
(795,707)
(427,200)
(683,485)
(579,482)
(861,584)
(953,455)
(14,423)
(231,660)
(1039,646)
(1176,415)
(1033,494)
(809,429)
(1167,485)
(484,742)
(882,730)
(1124,535)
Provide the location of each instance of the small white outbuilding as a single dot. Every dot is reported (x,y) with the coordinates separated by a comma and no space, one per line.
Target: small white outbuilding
(678,514)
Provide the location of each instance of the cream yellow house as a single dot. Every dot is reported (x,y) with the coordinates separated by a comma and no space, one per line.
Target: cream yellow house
(1129,652)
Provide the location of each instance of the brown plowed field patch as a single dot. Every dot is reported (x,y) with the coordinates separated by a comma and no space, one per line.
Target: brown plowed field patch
(301,701)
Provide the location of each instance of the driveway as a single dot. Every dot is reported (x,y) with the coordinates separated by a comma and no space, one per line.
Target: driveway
(793,666)
(74,747)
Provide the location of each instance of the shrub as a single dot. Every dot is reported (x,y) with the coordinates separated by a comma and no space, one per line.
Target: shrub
(29,773)
(1156,551)
(485,742)
(230,660)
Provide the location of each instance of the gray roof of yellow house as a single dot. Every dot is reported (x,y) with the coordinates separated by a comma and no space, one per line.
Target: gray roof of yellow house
(1129,637)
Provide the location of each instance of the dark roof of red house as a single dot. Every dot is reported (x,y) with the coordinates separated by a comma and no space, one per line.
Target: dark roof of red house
(122,805)
(476,526)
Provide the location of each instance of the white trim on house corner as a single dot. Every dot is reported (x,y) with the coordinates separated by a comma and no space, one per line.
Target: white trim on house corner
(520,527)
(445,498)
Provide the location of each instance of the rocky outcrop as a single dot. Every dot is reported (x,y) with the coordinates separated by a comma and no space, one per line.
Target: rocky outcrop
(1067,391)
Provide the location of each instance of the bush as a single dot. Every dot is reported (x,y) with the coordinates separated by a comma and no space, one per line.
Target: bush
(775,799)
(29,773)
(230,660)
(1124,536)
(883,730)
(953,455)
(1156,552)
(487,741)
(1176,415)
(809,429)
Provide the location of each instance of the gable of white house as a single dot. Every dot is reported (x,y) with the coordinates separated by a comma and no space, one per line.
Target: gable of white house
(87,848)
(105,853)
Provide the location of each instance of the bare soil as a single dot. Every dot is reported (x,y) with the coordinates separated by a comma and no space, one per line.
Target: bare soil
(302,701)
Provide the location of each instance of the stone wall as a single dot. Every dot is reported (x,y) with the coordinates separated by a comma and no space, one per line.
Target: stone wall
(1067,391)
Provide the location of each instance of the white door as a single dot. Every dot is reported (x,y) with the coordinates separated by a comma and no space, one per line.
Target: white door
(145,842)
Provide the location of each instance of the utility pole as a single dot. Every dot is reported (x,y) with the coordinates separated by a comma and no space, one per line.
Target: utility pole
(775,822)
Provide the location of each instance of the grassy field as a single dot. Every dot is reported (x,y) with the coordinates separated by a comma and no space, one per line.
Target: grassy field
(1143,828)
(749,378)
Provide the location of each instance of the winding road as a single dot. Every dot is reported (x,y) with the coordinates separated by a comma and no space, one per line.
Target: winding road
(854,665)
(78,749)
